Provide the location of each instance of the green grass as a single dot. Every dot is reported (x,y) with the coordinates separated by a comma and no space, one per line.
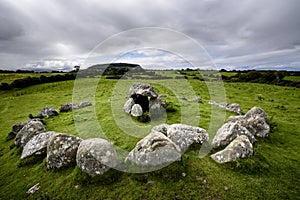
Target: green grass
(272,173)
(292,78)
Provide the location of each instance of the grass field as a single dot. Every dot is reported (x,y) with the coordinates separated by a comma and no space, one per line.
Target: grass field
(272,173)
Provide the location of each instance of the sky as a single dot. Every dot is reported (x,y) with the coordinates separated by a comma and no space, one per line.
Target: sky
(229,34)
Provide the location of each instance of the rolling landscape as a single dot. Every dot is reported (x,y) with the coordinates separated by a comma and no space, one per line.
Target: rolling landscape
(271,173)
(150,100)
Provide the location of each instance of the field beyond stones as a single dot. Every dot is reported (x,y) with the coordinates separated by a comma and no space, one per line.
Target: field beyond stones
(273,172)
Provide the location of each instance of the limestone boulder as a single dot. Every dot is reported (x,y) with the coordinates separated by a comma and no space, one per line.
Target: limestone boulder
(162,128)
(185,135)
(37,145)
(128,105)
(155,107)
(46,112)
(18,126)
(228,132)
(136,110)
(255,120)
(32,128)
(68,107)
(156,150)
(96,156)
(142,89)
(61,150)
(240,147)
(255,113)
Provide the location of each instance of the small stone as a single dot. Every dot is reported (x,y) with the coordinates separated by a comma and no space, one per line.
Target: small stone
(33,189)
(85,104)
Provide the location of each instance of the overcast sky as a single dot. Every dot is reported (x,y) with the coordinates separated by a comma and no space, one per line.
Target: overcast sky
(236,34)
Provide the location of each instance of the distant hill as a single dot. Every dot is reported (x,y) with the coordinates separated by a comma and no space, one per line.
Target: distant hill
(115,70)
(112,66)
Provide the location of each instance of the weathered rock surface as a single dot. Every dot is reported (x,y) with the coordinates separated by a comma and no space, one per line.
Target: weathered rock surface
(32,128)
(255,113)
(163,128)
(142,89)
(146,97)
(46,112)
(185,135)
(240,147)
(228,132)
(254,120)
(18,126)
(85,104)
(37,145)
(136,110)
(68,107)
(197,99)
(96,156)
(234,107)
(61,150)
(155,149)
(155,107)
(128,105)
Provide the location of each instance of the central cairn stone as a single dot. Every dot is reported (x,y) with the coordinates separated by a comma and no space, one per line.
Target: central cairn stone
(143,98)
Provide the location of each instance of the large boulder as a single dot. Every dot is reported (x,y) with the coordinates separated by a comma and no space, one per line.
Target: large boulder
(46,112)
(145,96)
(18,126)
(37,145)
(128,105)
(228,132)
(255,120)
(154,150)
(240,147)
(32,128)
(136,110)
(96,156)
(255,113)
(185,135)
(61,150)
(68,107)
(142,89)
(163,128)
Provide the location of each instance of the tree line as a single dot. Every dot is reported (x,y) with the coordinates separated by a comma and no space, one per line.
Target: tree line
(268,77)
(29,81)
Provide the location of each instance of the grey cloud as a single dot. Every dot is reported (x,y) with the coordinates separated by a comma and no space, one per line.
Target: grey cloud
(39,30)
